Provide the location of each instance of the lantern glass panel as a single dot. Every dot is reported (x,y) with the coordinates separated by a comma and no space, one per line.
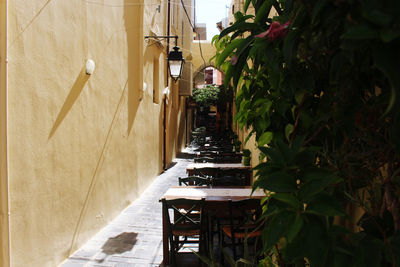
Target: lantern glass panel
(175,68)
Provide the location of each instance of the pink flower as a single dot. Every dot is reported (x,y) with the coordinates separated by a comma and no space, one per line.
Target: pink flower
(275,31)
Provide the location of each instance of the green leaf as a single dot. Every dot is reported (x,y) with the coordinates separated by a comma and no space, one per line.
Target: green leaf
(299,95)
(279,182)
(263,12)
(238,26)
(317,174)
(248,136)
(288,47)
(376,16)
(325,206)
(272,154)
(243,45)
(388,35)
(261,124)
(315,186)
(317,9)
(246,5)
(228,51)
(294,227)
(287,198)
(387,60)
(265,138)
(361,32)
(228,75)
(368,252)
(315,241)
(275,229)
(288,131)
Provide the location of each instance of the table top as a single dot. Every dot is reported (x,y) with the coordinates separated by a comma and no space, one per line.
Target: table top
(216,193)
(217,166)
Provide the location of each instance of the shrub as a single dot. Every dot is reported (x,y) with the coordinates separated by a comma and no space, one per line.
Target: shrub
(206,96)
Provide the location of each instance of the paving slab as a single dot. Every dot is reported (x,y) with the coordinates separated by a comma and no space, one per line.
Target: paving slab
(134,238)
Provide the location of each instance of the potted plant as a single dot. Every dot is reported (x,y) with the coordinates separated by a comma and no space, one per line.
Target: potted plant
(246,157)
(238,143)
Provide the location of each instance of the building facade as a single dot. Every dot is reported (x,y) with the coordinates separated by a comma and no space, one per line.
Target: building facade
(76,149)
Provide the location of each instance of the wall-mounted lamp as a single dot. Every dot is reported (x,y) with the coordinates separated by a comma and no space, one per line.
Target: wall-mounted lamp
(175,58)
(90,66)
(175,63)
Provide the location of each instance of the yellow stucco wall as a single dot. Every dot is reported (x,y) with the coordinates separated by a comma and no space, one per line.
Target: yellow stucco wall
(208,52)
(80,146)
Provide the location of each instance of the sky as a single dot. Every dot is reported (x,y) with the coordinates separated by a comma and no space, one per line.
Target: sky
(210,12)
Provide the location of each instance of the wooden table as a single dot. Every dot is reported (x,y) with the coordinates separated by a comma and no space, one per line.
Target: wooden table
(212,168)
(215,198)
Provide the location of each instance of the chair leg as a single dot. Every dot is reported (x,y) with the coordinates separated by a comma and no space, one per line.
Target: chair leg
(221,245)
(234,248)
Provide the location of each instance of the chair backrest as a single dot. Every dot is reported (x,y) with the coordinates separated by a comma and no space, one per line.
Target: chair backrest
(213,172)
(228,159)
(245,215)
(184,219)
(204,159)
(194,180)
(241,176)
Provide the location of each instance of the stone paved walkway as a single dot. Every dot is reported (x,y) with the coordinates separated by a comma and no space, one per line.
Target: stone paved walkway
(134,238)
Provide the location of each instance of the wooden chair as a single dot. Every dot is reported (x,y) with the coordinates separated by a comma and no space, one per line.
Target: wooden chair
(184,227)
(194,180)
(244,224)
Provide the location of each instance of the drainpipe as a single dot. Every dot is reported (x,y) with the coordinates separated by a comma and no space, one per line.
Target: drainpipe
(165,96)
(186,122)
(5,253)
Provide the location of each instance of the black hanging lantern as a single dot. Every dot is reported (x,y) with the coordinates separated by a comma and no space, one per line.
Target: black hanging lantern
(175,63)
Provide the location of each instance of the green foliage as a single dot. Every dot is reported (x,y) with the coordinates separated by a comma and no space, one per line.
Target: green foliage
(321,90)
(246,153)
(206,96)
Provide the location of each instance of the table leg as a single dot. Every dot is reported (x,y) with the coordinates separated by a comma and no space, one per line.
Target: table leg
(165,238)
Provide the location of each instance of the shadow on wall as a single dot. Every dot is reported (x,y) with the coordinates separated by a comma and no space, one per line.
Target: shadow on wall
(161,130)
(133,18)
(70,100)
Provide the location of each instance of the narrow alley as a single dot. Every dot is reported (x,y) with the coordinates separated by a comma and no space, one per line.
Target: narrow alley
(191,133)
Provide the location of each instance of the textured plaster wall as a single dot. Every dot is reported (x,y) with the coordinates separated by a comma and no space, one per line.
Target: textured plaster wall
(208,52)
(80,146)
(4,237)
